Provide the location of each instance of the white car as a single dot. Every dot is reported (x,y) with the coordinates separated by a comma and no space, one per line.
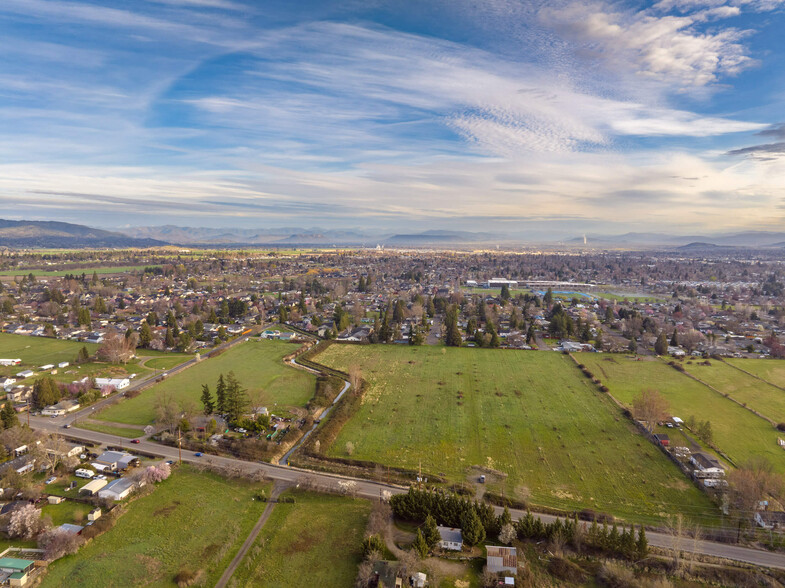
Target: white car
(50,479)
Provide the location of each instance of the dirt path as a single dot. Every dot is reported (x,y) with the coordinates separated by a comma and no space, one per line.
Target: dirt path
(227,575)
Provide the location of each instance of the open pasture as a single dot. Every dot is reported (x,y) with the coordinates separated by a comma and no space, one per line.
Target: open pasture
(530,415)
(318,538)
(257,365)
(737,432)
(192,521)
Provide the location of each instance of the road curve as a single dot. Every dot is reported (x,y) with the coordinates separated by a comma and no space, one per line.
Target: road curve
(374,490)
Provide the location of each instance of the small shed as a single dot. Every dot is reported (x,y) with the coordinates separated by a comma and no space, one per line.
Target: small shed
(92,487)
(501,559)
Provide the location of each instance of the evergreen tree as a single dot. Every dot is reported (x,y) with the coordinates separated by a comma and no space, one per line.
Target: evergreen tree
(236,399)
(472,531)
(152,318)
(505,518)
(642,545)
(675,339)
(530,335)
(452,335)
(420,546)
(494,341)
(169,339)
(220,395)
(213,318)
(431,532)
(8,416)
(207,400)
(83,355)
(45,392)
(83,317)
(145,335)
(661,346)
(301,306)
(548,298)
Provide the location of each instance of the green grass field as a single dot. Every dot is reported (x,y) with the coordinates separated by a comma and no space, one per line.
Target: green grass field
(737,432)
(110,430)
(317,538)
(771,370)
(531,415)
(38,351)
(258,367)
(67,512)
(192,520)
(763,397)
(168,362)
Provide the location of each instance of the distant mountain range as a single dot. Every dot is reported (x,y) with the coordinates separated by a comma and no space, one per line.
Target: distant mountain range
(745,239)
(43,234)
(52,234)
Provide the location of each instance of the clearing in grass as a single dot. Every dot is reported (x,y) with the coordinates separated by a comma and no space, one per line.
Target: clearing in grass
(193,521)
(532,416)
(318,538)
(737,432)
(257,365)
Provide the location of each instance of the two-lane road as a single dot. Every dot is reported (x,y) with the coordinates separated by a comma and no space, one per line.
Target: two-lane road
(374,490)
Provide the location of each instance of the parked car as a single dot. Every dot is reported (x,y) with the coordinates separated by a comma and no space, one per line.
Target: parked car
(50,479)
(170,461)
(198,454)
(135,441)
(67,426)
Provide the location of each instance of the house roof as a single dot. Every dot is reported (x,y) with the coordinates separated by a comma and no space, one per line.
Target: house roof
(14,563)
(505,556)
(450,534)
(118,486)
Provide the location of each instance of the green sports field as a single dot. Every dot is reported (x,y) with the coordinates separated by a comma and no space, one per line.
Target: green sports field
(38,351)
(737,432)
(258,366)
(317,538)
(191,521)
(531,415)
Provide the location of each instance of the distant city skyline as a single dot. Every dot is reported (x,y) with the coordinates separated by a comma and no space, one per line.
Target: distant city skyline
(546,117)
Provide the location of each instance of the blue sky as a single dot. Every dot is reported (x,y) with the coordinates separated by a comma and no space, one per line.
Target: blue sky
(533,118)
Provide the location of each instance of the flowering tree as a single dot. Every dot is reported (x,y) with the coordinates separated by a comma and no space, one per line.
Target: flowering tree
(25,522)
(157,473)
(56,543)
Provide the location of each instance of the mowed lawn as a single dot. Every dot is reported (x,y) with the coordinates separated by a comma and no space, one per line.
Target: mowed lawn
(765,398)
(257,365)
(737,432)
(317,538)
(531,415)
(192,520)
(771,370)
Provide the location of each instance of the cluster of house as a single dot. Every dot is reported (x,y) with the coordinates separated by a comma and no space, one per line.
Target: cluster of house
(499,559)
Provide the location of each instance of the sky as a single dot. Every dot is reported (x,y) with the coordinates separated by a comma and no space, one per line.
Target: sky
(527,118)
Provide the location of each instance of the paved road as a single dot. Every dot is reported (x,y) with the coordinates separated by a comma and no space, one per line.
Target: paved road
(103,403)
(229,572)
(374,490)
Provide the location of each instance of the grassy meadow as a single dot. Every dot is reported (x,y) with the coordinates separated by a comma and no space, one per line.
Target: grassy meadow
(257,365)
(193,521)
(771,370)
(737,432)
(318,538)
(531,415)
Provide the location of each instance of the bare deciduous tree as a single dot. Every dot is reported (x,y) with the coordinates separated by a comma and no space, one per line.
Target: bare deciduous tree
(117,348)
(650,407)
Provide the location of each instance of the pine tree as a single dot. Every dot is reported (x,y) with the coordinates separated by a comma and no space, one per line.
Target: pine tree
(420,546)
(661,346)
(8,416)
(145,335)
(169,339)
(642,545)
(83,355)
(207,400)
(675,339)
(220,395)
(472,531)
(505,518)
(45,392)
(614,539)
(431,532)
(236,399)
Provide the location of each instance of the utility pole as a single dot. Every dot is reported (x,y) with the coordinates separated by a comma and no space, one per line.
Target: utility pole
(180,445)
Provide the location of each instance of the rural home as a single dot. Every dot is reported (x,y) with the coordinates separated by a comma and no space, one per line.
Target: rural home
(451,538)
(501,559)
(117,489)
(114,460)
(703,461)
(92,487)
(116,383)
(15,571)
(9,362)
(73,529)
(61,408)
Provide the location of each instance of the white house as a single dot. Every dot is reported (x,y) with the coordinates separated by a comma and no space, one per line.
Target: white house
(63,364)
(48,366)
(7,382)
(7,362)
(117,383)
(25,374)
(117,489)
(451,538)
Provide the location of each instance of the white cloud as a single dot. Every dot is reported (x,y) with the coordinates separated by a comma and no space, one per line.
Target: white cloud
(665,47)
